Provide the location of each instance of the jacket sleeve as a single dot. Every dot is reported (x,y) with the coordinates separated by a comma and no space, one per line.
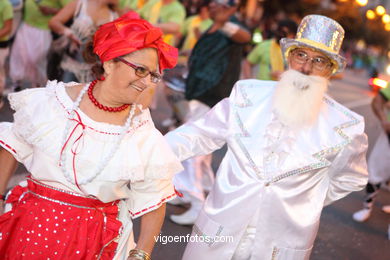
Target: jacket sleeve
(348,171)
(202,136)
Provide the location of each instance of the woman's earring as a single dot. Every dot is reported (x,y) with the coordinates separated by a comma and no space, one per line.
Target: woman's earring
(102,78)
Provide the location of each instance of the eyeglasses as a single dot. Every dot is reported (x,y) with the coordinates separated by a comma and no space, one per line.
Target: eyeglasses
(319,63)
(142,72)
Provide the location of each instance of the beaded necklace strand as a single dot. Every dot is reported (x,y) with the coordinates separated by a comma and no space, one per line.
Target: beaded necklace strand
(103,163)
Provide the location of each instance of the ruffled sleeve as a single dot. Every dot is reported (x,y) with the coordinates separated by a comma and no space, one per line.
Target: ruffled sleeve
(160,164)
(13,143)
(36,113)
(13,136)
(149,195)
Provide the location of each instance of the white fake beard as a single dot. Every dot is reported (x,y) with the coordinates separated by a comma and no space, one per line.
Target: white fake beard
(298,98)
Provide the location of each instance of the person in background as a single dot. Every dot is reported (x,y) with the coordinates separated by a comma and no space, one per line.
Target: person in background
(28,58)
(379,159)
(291,151)
(214,67)
(267,54)
(128,5)
(194,26)
(95,157)
(87,16)
(6,20)
(168,15)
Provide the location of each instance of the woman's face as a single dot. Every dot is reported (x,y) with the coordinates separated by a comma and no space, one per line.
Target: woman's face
(127,86)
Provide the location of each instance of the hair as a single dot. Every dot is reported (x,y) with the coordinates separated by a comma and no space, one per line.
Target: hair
(92,58)
(291,26)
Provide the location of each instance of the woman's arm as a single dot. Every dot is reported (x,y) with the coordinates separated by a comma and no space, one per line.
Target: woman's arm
(7,165)
(7,28)
(151,224)
(57,22)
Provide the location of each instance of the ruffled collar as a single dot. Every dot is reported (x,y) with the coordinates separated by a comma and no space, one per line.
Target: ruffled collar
(66,102)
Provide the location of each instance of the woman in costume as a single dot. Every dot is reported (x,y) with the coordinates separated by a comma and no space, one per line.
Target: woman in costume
(96,160)
(87,16)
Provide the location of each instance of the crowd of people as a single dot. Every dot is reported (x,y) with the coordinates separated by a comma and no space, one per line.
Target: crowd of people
(97,161)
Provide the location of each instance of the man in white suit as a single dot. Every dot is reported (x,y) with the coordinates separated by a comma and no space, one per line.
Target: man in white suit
(291,151)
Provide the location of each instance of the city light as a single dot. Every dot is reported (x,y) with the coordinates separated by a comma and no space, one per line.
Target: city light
(388,69)
(370,14)
(387,27)
(386,18)
(380,10)
(378,82)
(361,2)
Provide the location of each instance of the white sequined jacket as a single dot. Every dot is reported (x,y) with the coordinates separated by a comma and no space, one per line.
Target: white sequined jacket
(285,175)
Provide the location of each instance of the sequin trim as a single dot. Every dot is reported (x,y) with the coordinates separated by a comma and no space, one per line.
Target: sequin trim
(246,102)
(247,155)
(275,252)
(244,132)
(321,154)
(200,233)
(59,202)
(8,146)
(58,189)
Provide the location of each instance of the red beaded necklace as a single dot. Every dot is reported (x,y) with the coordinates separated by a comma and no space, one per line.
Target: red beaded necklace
(100,106)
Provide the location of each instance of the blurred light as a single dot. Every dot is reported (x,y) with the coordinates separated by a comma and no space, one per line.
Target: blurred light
(386,18)
(378,82)
(257,37)
(380,10)
(387,27)
(388,69)
(343,1)
(361,2)
(360,45)
(370,14)
(388,54)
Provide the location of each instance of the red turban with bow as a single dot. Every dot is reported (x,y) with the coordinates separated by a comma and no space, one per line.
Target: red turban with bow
(129,33)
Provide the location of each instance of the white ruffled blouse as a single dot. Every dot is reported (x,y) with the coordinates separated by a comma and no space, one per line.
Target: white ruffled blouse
(139,172)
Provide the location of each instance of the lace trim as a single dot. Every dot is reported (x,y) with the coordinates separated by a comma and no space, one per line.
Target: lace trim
(7,146)
(157,205)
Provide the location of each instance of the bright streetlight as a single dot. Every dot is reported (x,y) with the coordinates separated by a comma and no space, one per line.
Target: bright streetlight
(380,10)
(386,18)
(361,2)
(370,14)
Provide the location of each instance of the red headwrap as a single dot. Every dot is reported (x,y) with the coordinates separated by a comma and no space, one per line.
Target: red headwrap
(129,33)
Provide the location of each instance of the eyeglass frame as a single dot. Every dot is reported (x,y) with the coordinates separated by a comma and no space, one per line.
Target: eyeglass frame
(329,62)
(136,69)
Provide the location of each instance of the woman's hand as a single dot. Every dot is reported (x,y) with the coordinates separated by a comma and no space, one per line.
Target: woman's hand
(69,33)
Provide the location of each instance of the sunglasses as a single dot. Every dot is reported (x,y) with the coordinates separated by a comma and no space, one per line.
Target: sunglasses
(141,71)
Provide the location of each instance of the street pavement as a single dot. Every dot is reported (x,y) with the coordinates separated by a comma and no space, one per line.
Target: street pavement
(339,237)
